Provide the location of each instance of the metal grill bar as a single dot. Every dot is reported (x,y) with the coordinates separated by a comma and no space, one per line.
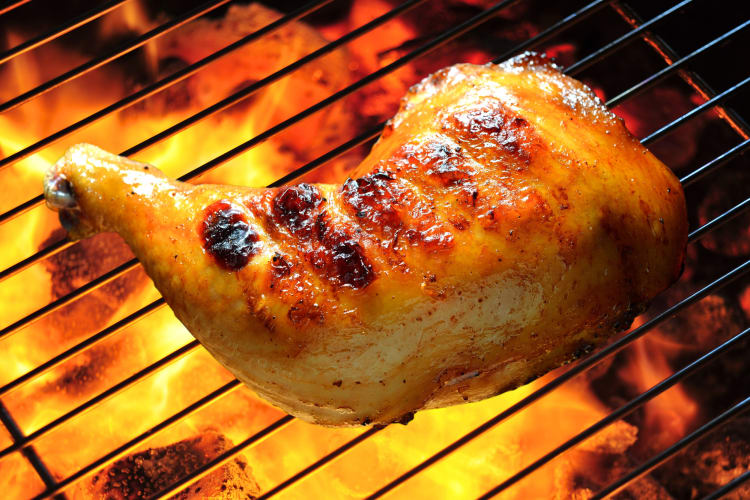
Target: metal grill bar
(83,346)
(729,487)
(723,218)
(730,92)
(690,77)
(563,24)
(133,443)
(42,254)
(11,5)
(76,22)
(161,84)
(97,62)
(223,458)
(67,299)
(619,413)
(334,153)
(22,208)
(321,462)
(665,455)
(628,37)
(677,65)
(103,396)
(583,365)
(714,164)
(31,455)
(260,84)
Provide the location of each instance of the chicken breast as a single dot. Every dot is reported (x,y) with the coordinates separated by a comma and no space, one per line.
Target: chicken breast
(505,223)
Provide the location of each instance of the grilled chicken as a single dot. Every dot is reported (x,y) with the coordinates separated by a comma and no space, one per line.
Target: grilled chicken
(504,223)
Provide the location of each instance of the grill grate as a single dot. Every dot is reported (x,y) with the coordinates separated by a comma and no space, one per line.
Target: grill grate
(641,31)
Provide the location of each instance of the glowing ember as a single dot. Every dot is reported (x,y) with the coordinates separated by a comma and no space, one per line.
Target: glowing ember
(148,472)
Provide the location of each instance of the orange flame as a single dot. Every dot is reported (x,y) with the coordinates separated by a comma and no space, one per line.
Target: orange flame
(670,415)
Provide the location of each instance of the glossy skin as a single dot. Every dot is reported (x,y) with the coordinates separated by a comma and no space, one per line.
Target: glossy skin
(505,223)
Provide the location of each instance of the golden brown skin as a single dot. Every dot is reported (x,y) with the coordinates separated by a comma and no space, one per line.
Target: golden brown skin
(504,223)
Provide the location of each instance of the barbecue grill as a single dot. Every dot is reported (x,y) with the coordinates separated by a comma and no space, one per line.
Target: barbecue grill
(653,33)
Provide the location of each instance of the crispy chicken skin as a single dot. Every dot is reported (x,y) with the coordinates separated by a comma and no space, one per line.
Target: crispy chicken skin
(504,223)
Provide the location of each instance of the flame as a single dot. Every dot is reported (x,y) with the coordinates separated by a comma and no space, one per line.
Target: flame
(672,414)
(19,479)
(467,472)
(133,18)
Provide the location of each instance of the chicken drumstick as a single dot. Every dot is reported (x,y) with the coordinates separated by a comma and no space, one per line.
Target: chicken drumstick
(504,223)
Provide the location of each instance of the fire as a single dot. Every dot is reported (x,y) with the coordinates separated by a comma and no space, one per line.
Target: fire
(671,415)
(466,473)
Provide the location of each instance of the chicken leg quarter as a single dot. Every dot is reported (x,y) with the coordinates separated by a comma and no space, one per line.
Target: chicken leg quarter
(505,223)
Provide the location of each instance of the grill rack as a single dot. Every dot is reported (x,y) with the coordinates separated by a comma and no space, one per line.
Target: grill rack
(640,31)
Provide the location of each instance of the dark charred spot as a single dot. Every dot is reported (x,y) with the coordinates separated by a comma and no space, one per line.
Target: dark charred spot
(447,164)
(346,261)
(440,163)
(335,251)
(227,236)
(437,161)
(351,265)
(405,418)
(375,198)
(293,208)
(320,225)
(489,121)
